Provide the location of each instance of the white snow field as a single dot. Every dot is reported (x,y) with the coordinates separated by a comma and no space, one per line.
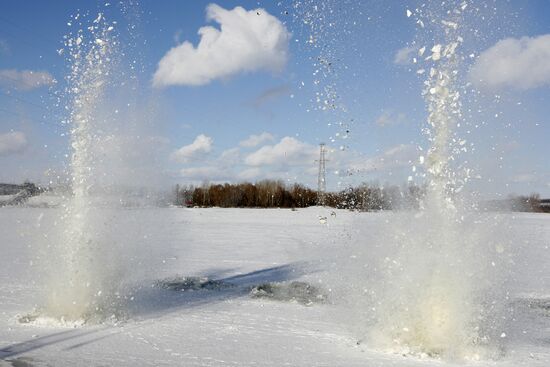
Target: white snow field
(221,324)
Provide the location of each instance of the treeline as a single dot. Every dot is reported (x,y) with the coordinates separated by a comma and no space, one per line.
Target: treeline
(12,189)
(18,194)
(276,194)
(532,203)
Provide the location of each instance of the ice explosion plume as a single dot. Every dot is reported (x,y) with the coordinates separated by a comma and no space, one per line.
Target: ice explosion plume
(430,295)
(78,287)
(106,129)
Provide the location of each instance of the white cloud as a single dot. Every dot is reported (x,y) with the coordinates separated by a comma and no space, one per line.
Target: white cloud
(294,160)
(389,117)
(200,146)
(12,142)
(250,173)
(216,173)
(395,157)
(255,140)
(230,156)
(289,152)
(25,79)
(247,41)
(404,56)
(205,173)
(516,63)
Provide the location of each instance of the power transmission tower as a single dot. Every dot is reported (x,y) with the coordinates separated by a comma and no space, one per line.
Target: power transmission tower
(321,180)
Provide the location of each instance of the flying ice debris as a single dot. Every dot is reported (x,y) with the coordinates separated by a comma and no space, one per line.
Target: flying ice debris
(421,51)
(409,13)
(436,52)
(449,24)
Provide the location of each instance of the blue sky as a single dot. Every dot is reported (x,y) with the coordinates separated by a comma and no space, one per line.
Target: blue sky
(259,118)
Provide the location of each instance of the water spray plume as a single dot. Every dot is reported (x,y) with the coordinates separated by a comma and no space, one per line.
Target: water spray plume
(431,302)
(81,285)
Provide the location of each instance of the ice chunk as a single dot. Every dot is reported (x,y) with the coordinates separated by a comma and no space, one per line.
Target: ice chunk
(449,24)
(299,292)
(436,52)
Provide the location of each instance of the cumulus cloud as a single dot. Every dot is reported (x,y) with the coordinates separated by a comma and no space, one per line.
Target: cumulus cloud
(404,56)
(294,160)
(12,142)
(205,173)
(247,41)
(200,146)
(255,140)
(217,173)
(389,117)
(231,156)
(288,157)
(250,173)
(25,79)
(289,151)
(516,63)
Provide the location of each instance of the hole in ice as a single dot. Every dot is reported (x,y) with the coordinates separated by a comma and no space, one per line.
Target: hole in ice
(301,292)
(27,319)
(537,304)
(20,362)
(183,284)
(108,313)
(39,320)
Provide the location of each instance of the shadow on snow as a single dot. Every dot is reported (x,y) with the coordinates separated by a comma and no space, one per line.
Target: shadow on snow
(157,300)
(151,301)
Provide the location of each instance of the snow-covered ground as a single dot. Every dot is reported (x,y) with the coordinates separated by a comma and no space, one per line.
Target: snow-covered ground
(225,326)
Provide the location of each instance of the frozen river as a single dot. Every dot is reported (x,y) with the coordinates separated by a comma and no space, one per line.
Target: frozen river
(220,323)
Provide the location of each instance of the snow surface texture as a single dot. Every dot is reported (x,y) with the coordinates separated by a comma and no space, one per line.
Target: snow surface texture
(199,324)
